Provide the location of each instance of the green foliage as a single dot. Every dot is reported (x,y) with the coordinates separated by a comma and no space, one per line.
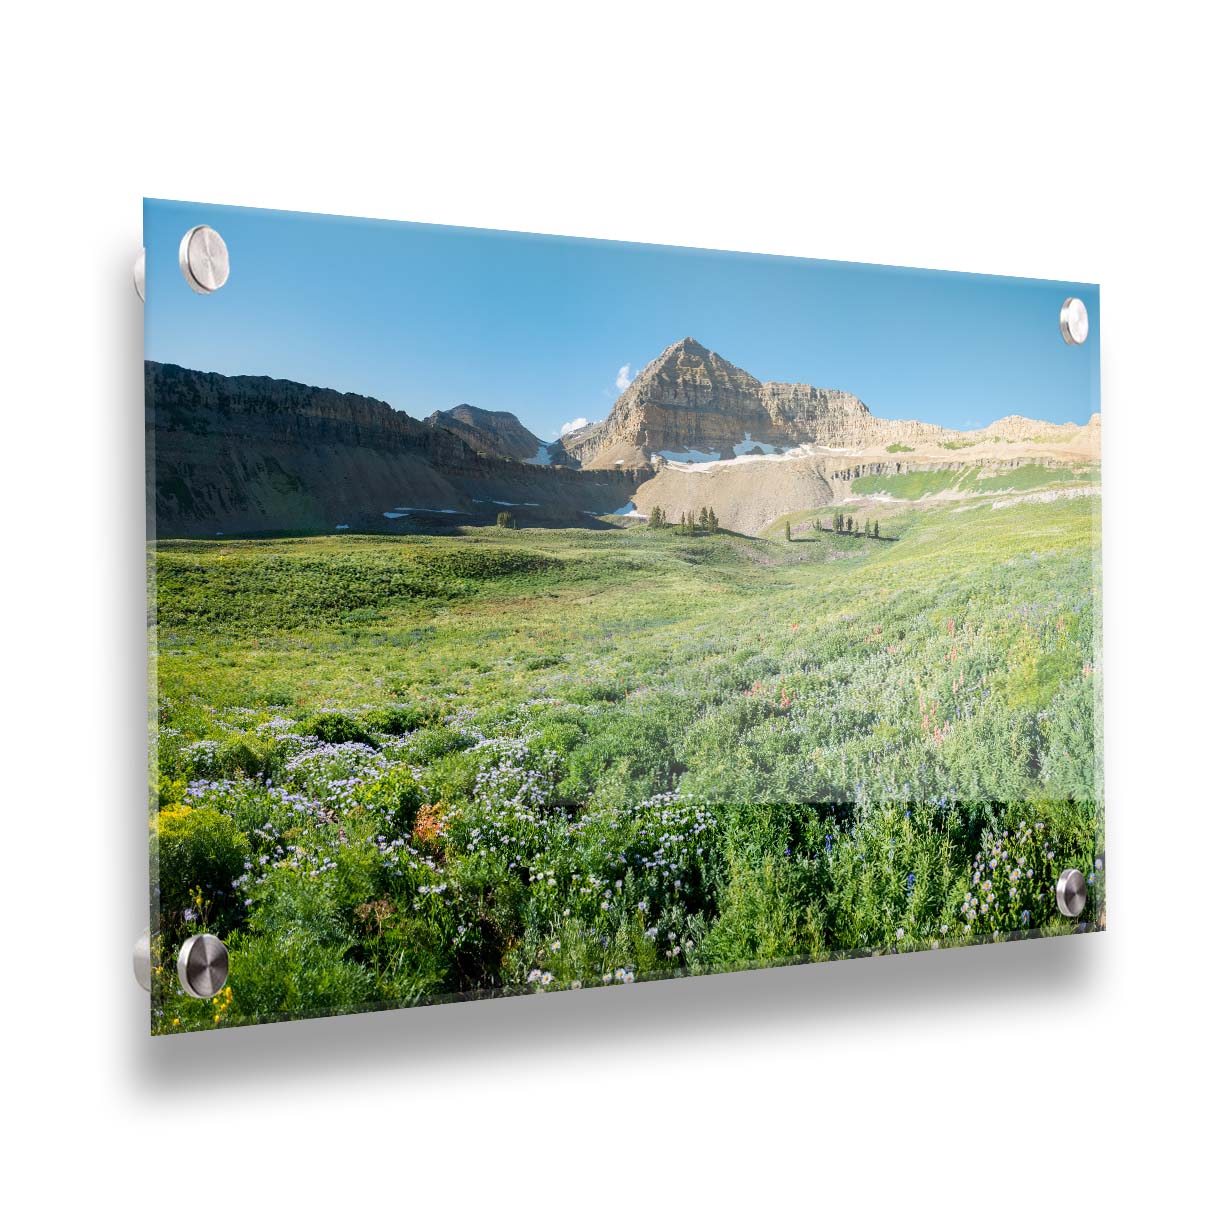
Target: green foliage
(890,879)
(1012,880)
(911,486)
(497,790)
(703,522)
(768,912)
(313,583)
(335,728)
(200,852)
(897,448)
(452,777)
(400,719)
(505,519)
(395,796)
(1029,476)
(434,743)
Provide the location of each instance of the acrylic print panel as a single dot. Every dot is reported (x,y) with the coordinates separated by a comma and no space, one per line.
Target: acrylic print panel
(533,613)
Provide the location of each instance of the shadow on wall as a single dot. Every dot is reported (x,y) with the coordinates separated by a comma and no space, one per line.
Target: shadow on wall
(605,1025)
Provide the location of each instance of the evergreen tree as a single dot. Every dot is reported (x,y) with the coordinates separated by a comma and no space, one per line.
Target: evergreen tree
(713,520)
(838,521)
(505,519)
(656,517)
(704,520)
(788,533)
(850,524)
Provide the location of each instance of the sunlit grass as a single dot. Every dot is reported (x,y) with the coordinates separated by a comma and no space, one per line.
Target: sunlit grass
(839,726)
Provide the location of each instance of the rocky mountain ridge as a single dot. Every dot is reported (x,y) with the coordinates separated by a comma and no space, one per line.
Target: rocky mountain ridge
(495,433)
(248,453)
(239,454)
(689,401)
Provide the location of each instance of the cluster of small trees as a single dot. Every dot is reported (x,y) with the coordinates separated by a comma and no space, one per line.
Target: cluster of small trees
(844,524)
(690,523)
(506,519)
(705,520)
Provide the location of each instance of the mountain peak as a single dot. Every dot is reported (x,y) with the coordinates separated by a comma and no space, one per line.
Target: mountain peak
(490,432)
(689,345)
(690,403)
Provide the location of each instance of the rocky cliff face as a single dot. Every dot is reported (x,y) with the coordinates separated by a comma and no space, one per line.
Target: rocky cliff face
(248,454)
(691,403)
(500,434)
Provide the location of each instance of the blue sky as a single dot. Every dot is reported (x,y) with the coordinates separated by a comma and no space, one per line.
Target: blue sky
(426,317)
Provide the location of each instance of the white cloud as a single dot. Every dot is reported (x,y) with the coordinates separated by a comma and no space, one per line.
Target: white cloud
(570,426)
(624,378)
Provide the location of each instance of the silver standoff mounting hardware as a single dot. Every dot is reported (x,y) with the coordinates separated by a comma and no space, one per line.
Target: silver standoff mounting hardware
(140,961)
(1073,321)
(138,274)
(203,966)
(1072,892)
(204,259)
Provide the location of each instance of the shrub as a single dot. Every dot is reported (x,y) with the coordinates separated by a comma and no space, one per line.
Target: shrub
(336,728)
(430,743)
(279,976)
(235,756)
(199,852)
(240,754)
(393,796)
(891,878)
(170,791)
(626,761)
(400,719)
(1012,880)
(451,777)
(767,912)
(559,737)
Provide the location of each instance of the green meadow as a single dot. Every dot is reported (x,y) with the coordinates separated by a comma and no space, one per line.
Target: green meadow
(399,769)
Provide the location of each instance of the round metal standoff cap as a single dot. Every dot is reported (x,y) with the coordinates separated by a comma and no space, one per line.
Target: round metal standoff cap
(204,259)
(138,273)
(203,966)
(1072,892)
(1073,321)
(140,961)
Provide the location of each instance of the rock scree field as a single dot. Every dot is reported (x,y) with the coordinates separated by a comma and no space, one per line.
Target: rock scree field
(397,769)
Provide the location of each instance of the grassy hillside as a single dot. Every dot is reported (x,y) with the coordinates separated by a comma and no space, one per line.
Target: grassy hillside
(972,480)
(392,770)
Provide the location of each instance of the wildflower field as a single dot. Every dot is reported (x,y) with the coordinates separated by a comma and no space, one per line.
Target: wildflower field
(392,770)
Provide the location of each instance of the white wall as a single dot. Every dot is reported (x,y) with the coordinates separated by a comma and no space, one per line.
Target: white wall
(1065,1079)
